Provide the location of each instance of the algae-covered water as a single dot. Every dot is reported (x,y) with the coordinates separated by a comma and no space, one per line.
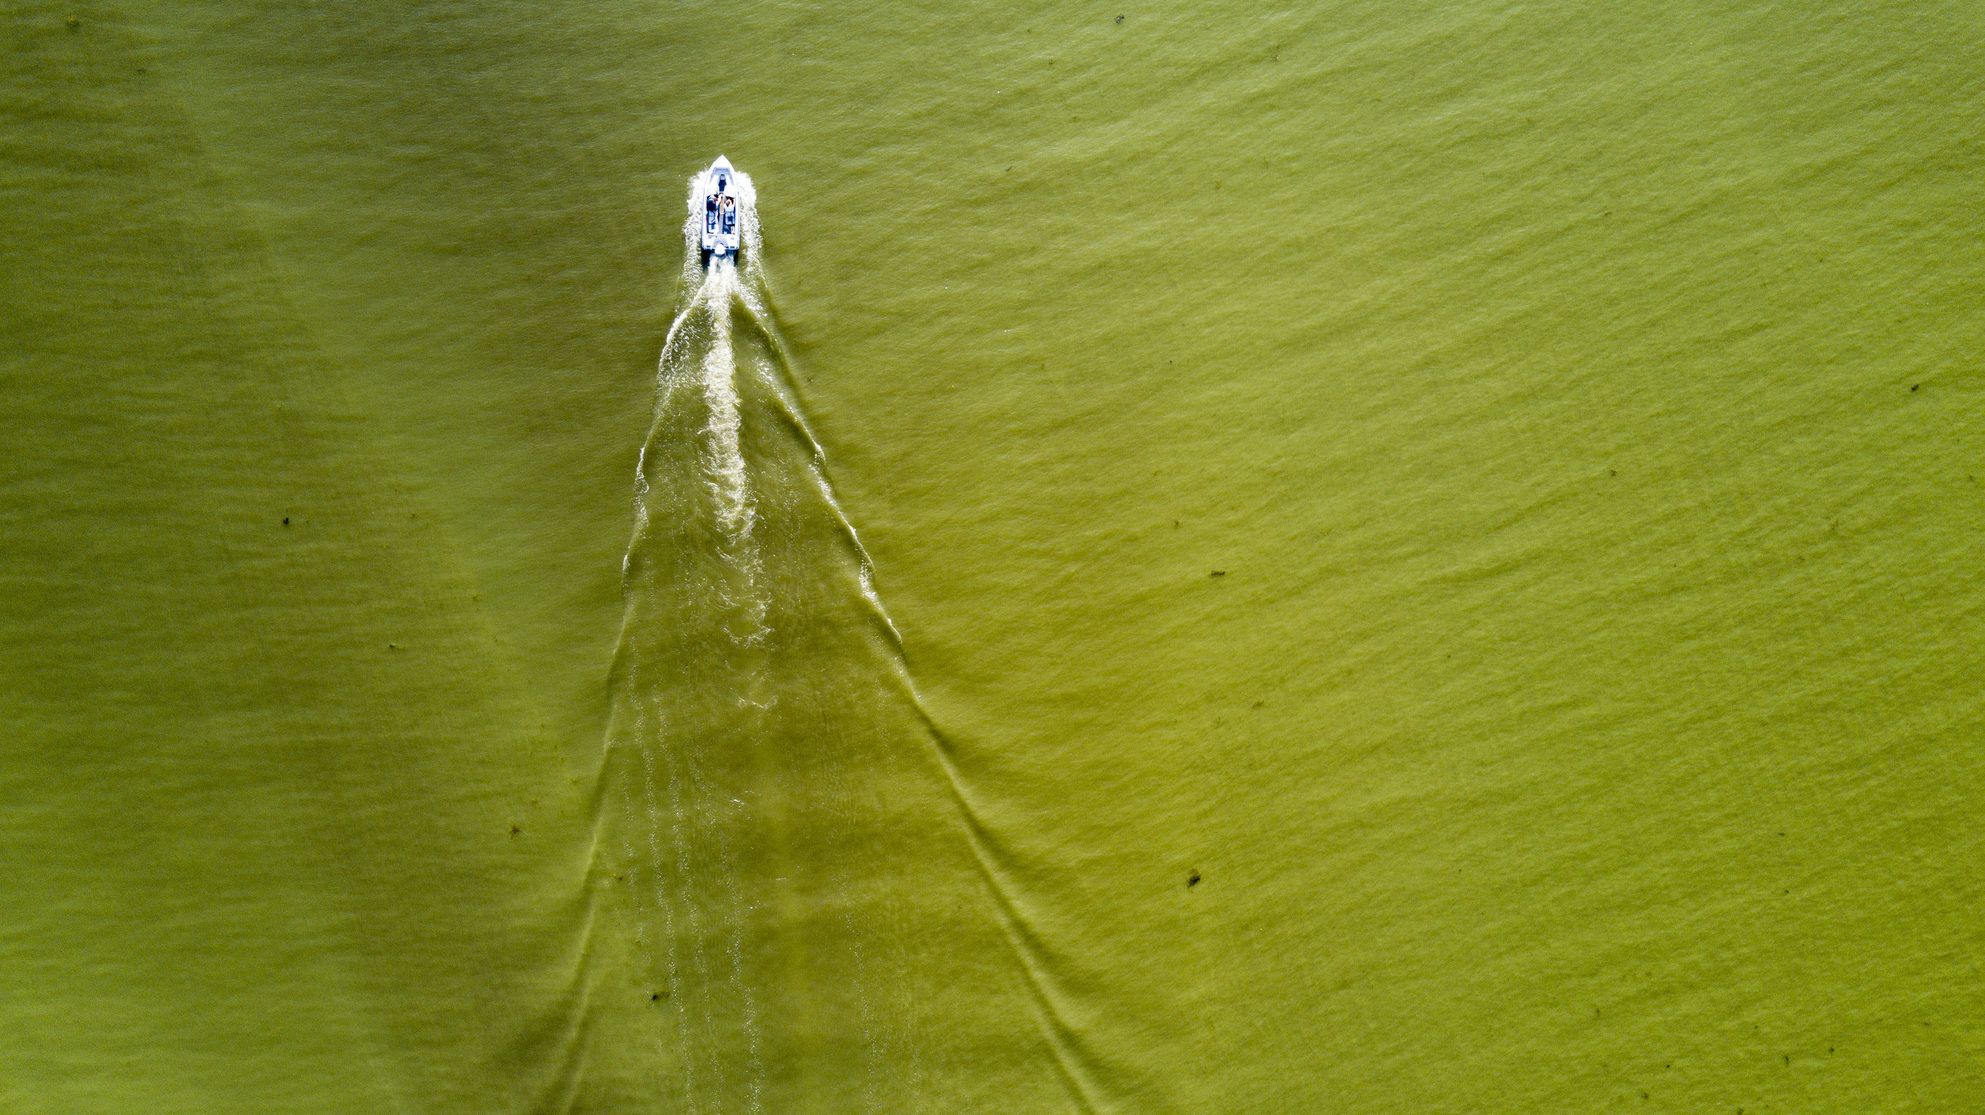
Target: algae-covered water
(1359,557)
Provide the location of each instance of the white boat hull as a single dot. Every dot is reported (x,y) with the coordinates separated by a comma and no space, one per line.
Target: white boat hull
(721,211)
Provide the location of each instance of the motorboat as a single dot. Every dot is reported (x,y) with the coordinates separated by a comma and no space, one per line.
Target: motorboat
(717,188)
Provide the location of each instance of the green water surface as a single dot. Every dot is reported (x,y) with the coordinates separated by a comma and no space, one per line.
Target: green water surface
(1430,549)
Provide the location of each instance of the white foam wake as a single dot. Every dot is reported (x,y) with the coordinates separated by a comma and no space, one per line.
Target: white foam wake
(730,738)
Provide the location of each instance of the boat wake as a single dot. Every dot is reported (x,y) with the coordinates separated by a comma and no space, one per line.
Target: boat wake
(800,889)
(746,692)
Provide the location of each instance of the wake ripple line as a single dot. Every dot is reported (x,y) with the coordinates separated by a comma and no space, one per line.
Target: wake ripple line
(1070,1059)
